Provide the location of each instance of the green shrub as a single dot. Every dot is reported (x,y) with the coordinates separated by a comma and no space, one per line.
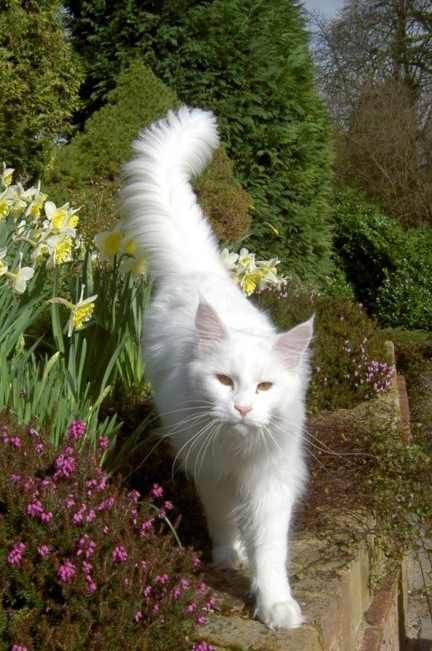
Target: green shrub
(39,82)
(248,61)
(86,171)
(390,269)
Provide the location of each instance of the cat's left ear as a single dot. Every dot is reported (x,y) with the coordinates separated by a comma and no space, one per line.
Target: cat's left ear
(292,345)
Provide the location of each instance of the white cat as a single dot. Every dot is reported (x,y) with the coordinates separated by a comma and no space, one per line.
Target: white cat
(230,389)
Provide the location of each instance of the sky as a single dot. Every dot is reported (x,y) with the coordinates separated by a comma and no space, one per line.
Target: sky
(326,7)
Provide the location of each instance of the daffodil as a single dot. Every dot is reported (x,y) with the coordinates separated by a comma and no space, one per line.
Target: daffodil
(4,205)
(34,208)
(128,246)
(20,278)
(134,265)
(61,220)
(108,242)
(249,282)
(7,175)
(247,259)
(80,313)
(3,265)
(229,258)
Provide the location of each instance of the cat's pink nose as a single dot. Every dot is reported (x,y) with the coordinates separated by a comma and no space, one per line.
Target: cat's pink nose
(242,409)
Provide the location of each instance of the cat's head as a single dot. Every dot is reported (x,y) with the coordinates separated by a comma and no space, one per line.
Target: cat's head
(248,381)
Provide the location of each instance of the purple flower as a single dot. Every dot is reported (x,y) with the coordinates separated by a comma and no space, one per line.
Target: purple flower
(66,572)
(69,501)
(39,448)
(134,496)
(15,478)
(86,547)
(202,646)
(35,509)
(46,517)
(91,585)
(16,554)
(64,464)
(119,554)
(138,616)
(161,578)
(156,491)
(76,429)
(146,526)
(15,441)
(18,647)
(106,504)
(103,442)
(43,550)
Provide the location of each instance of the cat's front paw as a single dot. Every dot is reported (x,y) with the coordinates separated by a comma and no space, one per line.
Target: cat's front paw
(281,614)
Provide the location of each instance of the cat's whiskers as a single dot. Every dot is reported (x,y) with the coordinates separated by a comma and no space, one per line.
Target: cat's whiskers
(189,442)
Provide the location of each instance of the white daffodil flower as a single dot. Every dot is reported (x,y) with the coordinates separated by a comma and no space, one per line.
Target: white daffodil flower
(3,265)
(229,258)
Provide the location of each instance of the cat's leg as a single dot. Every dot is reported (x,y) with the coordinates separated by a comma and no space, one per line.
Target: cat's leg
(267,515)
(218,498)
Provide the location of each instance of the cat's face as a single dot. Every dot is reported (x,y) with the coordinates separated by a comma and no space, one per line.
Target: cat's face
(247,381)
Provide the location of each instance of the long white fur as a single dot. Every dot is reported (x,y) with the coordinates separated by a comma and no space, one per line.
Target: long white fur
(249,469)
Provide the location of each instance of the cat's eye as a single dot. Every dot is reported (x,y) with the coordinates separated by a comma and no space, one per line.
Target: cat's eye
(225,379)
(264,386)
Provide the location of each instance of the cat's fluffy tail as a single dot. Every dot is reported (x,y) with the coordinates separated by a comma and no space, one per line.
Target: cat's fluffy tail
(163,215)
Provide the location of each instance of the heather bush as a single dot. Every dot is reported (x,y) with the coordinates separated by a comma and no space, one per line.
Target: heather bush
(348,359)
(84,563)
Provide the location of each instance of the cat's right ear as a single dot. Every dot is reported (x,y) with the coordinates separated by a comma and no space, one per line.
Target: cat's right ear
(208,325)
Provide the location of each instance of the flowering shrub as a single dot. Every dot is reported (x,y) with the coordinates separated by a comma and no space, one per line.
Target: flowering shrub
(348,359)
(84,563)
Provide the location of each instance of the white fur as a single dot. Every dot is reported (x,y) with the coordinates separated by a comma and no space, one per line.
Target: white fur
(249,469)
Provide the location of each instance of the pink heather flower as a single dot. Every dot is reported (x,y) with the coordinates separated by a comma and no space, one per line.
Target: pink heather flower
(184,584)
(196,562)
(43,550)
(86,546)
(119,554)
(156,491)
(91,515)
(15,441)
(76,429)
(146,526)
(64,464)
(35,509)
(138,616)
(156,609)
(103,442)
(162,514)
(105,530)
(211,604)
(18,647)
(134,496)
(201,620)
(87,567)
(202,587)
(16,554)
(69,502)
(161,578)
(15,478)
(66,572)
(106,504)
(46,517)
(91,585)
(191,607)
(39,448)
(32,432)
(147,591)
(202,646)
(176,593)
(168,505)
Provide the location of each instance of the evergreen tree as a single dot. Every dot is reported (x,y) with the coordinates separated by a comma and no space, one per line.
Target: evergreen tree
(39,81)
(248,61)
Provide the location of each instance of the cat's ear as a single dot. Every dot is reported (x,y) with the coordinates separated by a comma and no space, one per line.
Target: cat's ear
(292,345)
(208,325)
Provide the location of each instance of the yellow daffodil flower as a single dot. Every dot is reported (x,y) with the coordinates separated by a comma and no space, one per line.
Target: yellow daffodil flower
(20,278)
(62,219)
(80,313)
(108,242)
(7,175)
(134,265)
(249,282)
